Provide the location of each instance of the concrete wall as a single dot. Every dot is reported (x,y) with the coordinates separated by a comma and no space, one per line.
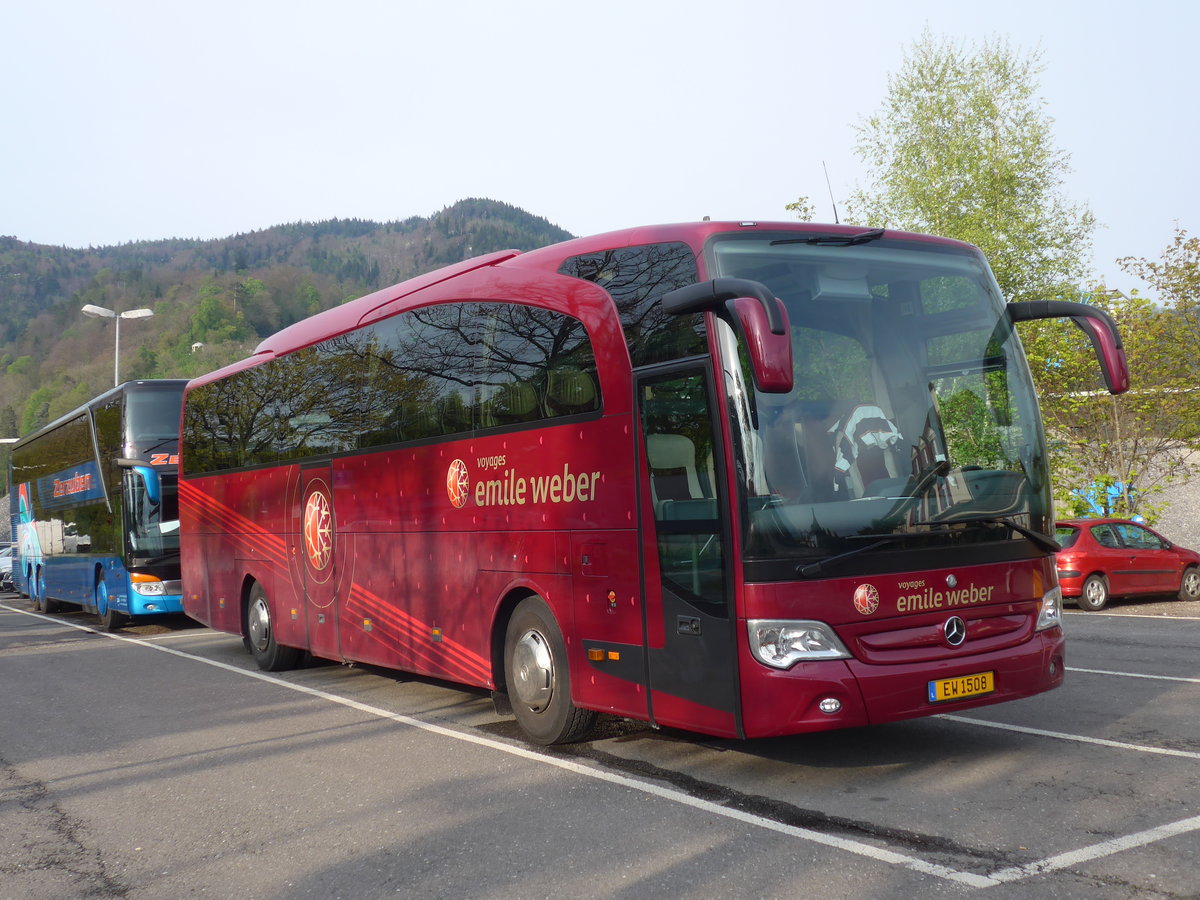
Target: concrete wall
(1180,521)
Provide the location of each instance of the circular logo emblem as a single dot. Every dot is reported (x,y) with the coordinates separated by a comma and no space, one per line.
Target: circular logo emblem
(866,599)
(955,630)
(458,484)
(318,530)
(951,581)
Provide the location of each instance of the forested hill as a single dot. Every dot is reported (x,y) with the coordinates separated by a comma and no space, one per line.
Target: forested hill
(212,300)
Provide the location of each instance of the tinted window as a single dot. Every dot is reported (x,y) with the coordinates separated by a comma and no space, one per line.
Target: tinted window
(153,419)
(637,277)
(1140,538)
(432,372)
(1066,535)
(1105,536)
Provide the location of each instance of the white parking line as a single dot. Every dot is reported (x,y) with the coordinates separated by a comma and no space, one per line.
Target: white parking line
(191,632)
(1134,675)
(967,879)
(1097,615)
(1075,738)
(1096,851)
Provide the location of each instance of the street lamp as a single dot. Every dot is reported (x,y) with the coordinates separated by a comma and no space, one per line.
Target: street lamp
(99,312)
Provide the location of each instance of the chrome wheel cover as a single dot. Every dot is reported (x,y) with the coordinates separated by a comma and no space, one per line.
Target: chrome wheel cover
(532,671)
(258,624)
(1191,583)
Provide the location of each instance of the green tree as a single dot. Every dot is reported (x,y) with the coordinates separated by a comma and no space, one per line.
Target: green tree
(1143,440)
(962,148)
(802,209)
(1176,277)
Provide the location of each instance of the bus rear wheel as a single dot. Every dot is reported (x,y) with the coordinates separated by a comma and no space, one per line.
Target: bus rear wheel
(537,679)
(49,604)
(259,630)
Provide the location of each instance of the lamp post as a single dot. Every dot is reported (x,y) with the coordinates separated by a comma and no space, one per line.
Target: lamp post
(99,312)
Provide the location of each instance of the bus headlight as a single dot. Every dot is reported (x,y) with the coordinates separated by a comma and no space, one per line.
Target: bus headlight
(1050,615)
(781,643)
(147,585)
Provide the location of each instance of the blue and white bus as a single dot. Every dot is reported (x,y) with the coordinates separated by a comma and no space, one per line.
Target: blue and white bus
(95,509)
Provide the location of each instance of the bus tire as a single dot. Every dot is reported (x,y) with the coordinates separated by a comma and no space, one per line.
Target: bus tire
(49,604)
(110,619)
(270,655)
(1094,596)
(537,678)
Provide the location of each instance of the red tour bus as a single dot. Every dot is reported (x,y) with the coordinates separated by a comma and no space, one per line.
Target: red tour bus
(742,479)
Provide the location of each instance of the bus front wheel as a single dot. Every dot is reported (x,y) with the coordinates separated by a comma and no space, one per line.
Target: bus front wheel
(270,655)
(110,619)
(537,679)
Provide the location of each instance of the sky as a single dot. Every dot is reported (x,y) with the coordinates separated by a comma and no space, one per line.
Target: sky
(131,121)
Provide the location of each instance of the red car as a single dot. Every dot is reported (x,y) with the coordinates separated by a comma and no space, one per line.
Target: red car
(1119,558)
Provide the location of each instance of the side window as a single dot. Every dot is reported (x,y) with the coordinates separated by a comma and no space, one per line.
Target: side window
(428,373)
(1139,538)
(242,420)
(680,454)
(109,428)
(1105,536)
(450,369)
(637,277)
(421,374)
(1066,536)
(535,364)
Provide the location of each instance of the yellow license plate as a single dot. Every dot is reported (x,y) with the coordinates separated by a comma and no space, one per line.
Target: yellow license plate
(962,687)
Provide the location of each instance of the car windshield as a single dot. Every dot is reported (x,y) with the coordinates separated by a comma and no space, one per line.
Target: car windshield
(912,417)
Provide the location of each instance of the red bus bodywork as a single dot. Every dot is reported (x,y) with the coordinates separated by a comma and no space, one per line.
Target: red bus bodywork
(418,554)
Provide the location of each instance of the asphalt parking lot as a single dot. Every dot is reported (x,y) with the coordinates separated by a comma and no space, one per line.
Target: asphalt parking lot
(333,780)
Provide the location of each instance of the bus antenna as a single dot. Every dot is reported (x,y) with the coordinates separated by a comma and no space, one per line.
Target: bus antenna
(832,202)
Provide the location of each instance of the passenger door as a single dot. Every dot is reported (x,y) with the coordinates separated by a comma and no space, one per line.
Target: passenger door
(1115,559)
(696,662)
(1154,568)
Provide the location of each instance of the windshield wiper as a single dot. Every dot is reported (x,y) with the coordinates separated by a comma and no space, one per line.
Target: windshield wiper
(155,446)
(821,565)
(813,569)
(1034,537)
(845,240)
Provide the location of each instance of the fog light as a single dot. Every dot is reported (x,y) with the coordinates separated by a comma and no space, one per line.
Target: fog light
(830,705)
(1053,668)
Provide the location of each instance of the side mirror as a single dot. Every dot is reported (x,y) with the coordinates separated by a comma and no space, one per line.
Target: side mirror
(1095,323)
(759,318)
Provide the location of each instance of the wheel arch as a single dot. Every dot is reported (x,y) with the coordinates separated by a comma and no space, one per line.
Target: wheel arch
(504,612)
(248,583)
(97,580)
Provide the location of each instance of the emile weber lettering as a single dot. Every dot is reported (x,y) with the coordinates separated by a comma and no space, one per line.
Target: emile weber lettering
(511,489)
(925,597)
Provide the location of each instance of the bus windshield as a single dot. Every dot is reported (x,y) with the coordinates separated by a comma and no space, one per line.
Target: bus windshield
(152,419)
(152,515)
(912,421)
